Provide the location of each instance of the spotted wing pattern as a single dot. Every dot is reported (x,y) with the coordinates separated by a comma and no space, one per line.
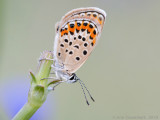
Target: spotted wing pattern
(77,35)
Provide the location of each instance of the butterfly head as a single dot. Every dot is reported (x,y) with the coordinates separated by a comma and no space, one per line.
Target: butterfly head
(73,78)
(67,77)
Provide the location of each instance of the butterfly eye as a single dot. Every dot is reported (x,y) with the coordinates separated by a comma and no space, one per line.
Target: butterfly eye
(72,77)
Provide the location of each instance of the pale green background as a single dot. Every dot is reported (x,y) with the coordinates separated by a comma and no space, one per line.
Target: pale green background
(123,73)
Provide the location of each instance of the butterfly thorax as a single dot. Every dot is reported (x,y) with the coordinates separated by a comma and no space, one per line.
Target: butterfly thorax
(66,77)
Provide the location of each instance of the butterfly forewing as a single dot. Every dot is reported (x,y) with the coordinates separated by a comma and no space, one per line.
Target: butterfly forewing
(77,36)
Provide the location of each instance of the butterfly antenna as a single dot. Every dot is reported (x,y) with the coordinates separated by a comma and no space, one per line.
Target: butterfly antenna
(84,92)
(87,90)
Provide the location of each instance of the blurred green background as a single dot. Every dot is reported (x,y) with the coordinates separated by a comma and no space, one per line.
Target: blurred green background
(123,72)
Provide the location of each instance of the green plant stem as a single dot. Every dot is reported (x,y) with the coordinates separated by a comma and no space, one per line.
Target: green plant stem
(38,91)
(26,112)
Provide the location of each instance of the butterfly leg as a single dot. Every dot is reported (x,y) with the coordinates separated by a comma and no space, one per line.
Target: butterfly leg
(56,68)
(46,59)
(55,78)
(56,85)
(55,82)
(53,88)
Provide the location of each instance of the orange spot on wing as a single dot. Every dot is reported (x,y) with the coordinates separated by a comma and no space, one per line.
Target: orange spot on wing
(66,31)
(89,29)
(82,22)
(91,15)
(100,21)
(78,27)
(63,32)
(71,29)
(84,27)
(94,41)
(93,35)
(94,16)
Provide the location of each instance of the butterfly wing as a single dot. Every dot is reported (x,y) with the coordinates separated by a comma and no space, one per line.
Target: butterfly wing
(77,35)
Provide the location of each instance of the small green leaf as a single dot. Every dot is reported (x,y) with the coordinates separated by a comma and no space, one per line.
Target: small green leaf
(33,79)
(37,95)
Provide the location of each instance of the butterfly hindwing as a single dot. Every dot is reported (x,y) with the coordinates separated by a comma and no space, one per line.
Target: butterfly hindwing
(77,36)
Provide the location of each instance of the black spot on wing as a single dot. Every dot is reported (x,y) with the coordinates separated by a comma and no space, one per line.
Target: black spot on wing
(76,46)
(84,52)
(78,58)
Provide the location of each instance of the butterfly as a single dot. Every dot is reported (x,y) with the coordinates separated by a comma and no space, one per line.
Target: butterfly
(77,34)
